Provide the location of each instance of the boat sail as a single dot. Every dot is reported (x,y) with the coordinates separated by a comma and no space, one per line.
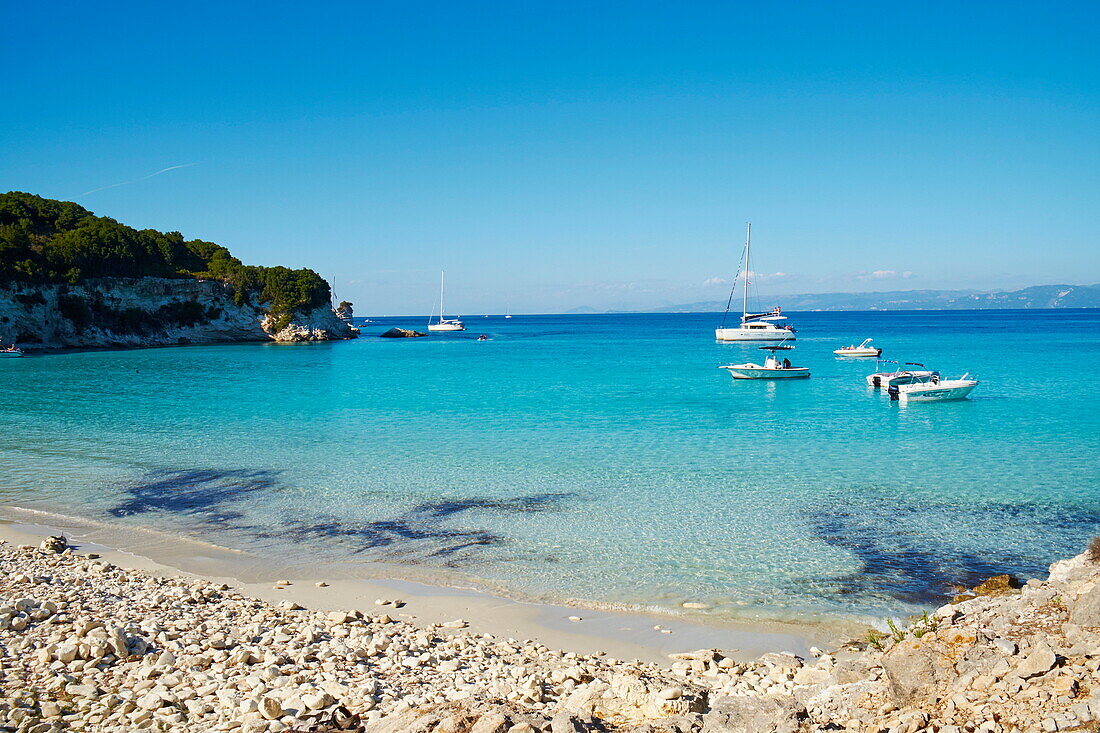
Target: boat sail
(754,326)
(444,324)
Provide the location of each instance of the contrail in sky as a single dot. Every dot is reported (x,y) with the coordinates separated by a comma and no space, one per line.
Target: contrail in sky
(126,183)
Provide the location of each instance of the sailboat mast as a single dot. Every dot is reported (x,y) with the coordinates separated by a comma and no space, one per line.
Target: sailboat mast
(441,275)
(745,289)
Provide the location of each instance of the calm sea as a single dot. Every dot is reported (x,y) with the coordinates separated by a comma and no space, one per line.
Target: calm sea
(602,458)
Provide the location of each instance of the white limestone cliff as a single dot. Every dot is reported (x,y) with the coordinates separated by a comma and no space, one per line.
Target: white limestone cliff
(122,312)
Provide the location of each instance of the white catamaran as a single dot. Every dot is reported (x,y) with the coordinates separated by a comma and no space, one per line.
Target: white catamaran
(444,324)
(754,326)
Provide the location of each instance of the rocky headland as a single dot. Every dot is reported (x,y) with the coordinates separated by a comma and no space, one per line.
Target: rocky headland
(91,646)
(150,311)
(71,279)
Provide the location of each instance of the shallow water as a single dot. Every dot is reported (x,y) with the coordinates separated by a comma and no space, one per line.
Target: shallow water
(601,458)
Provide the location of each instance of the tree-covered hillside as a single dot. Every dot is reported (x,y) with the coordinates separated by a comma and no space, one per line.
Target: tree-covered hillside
(48,241)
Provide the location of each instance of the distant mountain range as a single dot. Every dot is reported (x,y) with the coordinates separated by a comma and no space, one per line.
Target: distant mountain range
(1037,296)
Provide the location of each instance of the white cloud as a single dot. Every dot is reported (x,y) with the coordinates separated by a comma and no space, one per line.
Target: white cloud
(753,277)
(883,275)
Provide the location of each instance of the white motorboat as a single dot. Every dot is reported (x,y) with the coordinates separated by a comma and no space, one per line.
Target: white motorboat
(772,368)
(901,375)
(935,389)
(754,326)
(444,324)
(10,352)
(864,349)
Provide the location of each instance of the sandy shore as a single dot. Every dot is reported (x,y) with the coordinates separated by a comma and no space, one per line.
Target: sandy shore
(621,634)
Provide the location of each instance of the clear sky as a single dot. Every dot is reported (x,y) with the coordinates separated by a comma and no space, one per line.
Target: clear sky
(558,154)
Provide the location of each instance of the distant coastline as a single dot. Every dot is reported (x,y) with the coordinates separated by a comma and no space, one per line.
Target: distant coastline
(1030,298)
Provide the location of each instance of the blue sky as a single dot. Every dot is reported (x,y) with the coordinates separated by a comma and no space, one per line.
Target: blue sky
(552,155)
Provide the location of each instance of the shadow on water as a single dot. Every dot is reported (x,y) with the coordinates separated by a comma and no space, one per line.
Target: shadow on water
(901,556)
(421,529)
(416,534)
(204,494)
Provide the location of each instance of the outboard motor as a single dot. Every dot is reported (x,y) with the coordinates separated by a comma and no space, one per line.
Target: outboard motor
(894,393)
(876,382)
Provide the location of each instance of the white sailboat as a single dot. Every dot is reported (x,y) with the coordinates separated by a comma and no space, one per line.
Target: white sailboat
(754,326)
(444,324)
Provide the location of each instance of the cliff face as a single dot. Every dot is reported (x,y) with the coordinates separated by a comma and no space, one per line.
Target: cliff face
(114,312)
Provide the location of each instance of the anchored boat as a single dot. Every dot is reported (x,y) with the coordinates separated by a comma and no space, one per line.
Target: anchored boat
(864,349)
(935,389)
(10,352)
(754,326)
(901,375)
(444,324)
(772,367)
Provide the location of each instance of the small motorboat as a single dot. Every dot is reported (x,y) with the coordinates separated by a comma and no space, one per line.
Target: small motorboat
(901,375)
(482,337)
(864,349)
(10,352)
(935,389)
(772,368)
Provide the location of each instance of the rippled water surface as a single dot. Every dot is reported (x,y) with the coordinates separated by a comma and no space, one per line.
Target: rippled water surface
(602,458)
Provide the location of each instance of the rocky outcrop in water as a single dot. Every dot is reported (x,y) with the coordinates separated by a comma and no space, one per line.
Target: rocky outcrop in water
(401,333)
(149,311)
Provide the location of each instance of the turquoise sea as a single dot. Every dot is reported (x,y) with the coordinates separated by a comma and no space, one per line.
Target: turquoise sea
(600,458)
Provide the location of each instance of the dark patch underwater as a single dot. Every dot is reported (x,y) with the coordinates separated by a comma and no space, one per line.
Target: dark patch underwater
(418,534)
(901,556)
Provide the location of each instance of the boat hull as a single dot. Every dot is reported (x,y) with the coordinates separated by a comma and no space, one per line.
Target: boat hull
(753,371)
(859,352)
(944,391)
(746,334)
(446,327)
(10,354)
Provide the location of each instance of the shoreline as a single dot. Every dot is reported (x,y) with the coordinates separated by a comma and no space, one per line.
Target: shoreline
(624,634)
(89,645)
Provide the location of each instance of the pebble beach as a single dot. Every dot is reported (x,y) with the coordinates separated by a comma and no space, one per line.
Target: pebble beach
(91,645)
